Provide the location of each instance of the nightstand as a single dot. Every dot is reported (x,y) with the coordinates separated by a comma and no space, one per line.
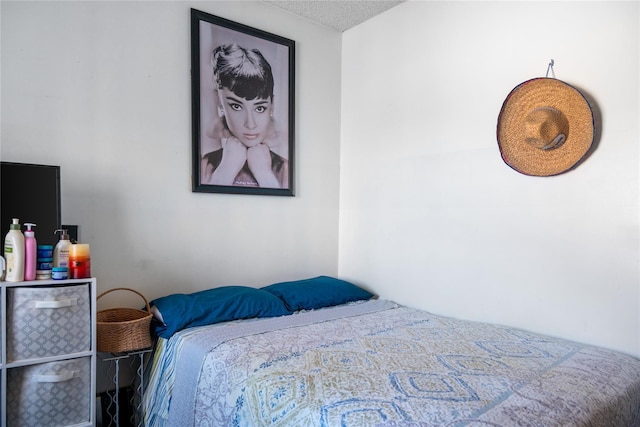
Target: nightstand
(48,353)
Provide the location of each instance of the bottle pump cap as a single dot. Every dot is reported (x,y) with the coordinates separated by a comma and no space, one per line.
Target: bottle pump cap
(29,231)
(65,233)
(15,225)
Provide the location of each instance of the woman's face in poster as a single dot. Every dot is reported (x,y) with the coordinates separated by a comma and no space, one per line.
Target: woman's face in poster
(248,120)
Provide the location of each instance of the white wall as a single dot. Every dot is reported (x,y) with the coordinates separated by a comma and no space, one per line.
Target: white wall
(431,216)
(103,90)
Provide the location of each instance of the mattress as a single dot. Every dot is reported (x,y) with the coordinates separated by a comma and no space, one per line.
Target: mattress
(377,363)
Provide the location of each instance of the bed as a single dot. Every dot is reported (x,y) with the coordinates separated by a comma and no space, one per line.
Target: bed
(361,361)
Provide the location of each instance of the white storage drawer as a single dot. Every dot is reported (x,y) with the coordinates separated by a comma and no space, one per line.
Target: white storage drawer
(50,394)
(48,321)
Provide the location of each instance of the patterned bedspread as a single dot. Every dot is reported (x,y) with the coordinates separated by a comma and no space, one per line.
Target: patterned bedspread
(380,364)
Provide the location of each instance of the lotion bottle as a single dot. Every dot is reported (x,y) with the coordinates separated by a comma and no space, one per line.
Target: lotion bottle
(14,252)
(61,251)
(30,252)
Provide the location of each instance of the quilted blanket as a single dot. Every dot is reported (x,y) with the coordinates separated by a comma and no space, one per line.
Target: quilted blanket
(380,364)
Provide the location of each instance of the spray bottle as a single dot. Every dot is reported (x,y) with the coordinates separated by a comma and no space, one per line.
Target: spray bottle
(30,252)
(14,252)
(61,251)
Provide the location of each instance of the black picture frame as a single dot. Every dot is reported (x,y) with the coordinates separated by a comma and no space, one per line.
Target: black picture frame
(215,113)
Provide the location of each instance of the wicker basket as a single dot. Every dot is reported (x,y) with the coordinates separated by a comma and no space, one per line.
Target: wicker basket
(121,330)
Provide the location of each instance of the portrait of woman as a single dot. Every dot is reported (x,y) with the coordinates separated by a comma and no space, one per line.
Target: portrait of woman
(244,130)
(244,124)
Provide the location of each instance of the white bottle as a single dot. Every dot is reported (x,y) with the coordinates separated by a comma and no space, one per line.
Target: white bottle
(14,252)
(61,251)
(30,252)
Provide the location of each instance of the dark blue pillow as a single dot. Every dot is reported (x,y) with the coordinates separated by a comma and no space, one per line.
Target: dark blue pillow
(180,311)
(318,292)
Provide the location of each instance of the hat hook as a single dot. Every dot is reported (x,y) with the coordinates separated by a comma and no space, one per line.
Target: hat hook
(550,67)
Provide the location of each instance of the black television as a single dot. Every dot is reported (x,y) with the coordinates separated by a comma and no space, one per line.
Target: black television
(31,193)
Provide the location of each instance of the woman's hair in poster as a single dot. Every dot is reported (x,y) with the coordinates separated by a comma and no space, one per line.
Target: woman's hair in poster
(244,72)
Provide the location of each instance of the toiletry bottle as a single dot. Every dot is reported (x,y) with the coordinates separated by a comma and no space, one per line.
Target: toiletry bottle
(14,252)
(30,252)
(61,251)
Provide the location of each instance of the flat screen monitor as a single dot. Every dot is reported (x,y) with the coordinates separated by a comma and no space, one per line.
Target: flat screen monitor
(31,193)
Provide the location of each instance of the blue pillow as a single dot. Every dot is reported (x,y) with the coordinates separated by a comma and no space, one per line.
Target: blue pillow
(180,311)
(318,292)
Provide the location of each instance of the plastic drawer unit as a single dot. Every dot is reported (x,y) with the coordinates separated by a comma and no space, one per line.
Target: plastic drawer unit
(48,353)
(53,393)
(47,321)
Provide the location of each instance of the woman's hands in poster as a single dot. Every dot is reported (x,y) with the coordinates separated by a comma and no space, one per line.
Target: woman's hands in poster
(235,154)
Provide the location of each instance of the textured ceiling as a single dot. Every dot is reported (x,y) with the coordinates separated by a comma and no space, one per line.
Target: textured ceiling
(340,15)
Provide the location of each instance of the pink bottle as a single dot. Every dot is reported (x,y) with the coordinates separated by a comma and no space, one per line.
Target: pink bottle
(30,252)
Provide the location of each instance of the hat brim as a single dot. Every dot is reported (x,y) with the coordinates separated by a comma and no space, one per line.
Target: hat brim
(538,93)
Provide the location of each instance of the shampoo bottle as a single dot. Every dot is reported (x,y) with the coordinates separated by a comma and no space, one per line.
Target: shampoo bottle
(30,252)
(61,251)
(14,252)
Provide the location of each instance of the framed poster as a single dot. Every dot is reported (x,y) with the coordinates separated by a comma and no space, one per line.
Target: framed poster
(242,87)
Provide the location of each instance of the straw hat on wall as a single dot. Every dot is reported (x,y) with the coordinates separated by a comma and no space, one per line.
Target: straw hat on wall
(545,127)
